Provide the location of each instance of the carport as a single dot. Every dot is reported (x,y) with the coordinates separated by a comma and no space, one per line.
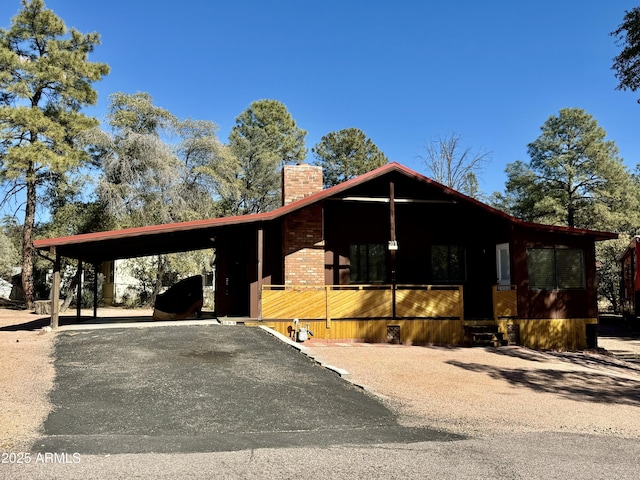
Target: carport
(235,239)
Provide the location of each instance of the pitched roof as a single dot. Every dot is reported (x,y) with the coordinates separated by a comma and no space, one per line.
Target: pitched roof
(140,237)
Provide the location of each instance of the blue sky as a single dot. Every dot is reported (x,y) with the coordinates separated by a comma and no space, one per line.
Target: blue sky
(404,72)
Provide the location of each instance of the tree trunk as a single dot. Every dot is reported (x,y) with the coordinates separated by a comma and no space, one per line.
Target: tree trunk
(162,266)
(69,292)
(614,297)
(27,238)
(571,216)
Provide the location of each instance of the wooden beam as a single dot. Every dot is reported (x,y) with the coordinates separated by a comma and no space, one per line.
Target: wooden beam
(327,307)
(393,244)
(55,291)
(392,211)
(387,200)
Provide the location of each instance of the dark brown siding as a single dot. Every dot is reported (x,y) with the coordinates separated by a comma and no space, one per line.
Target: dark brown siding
(553,304)
(418,227)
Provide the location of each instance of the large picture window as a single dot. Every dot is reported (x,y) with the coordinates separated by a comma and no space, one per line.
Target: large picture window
(448,263)
(555,268)
(368,263)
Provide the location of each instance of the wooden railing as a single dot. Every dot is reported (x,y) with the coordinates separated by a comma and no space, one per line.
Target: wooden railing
(505,303)
(361,301)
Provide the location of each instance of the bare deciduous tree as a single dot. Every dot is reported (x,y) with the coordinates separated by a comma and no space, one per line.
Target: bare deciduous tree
(453,165)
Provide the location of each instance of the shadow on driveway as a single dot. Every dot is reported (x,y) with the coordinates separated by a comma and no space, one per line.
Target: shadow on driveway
(204,389)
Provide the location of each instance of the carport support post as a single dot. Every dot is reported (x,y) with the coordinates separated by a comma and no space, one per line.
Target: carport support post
(79,290)
(259,267)
(95,290)
(55,290)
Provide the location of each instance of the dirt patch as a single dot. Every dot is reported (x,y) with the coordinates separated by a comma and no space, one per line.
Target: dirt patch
(26,377)
(479,391)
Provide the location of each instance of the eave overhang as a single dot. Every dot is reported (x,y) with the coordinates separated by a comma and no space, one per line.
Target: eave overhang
(200,234)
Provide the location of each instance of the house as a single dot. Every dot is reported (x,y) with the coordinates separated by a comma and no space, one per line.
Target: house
(390,253)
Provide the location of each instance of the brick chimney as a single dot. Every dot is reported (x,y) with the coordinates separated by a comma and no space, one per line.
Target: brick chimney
(302,232)
(300,181)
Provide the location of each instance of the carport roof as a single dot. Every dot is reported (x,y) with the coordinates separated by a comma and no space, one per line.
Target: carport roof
(185,236)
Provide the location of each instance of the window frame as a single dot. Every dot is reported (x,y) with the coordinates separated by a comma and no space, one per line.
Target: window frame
(560,275)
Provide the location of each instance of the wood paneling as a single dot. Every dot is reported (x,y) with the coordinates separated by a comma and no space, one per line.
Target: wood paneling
(505,301)
(425,315)
(295,302)
(360,301)
(429,301)
(545,334)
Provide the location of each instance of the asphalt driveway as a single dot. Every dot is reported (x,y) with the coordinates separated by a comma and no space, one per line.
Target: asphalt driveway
(204,389)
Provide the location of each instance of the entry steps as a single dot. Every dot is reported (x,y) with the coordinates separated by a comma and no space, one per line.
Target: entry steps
(483,335)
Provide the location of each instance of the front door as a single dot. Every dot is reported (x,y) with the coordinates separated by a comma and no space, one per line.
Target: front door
(480,278)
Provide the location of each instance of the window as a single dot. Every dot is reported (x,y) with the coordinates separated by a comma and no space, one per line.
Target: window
(368,263)
(503,264)
(555,268)
(448,263)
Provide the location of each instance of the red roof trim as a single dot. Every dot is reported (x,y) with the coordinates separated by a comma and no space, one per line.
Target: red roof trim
(148,230)
(324,194)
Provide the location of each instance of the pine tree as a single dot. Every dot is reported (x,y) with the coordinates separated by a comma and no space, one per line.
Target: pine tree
(626,64)
(346,154)
(45,80)
(264,139)
(575,177)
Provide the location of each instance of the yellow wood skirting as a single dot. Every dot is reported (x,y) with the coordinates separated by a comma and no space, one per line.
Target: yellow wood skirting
(551,334)
(412,331)
(545,334)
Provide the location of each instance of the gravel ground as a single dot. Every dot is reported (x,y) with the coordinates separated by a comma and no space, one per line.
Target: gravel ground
(26,377)
(472,391)
(481,392)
